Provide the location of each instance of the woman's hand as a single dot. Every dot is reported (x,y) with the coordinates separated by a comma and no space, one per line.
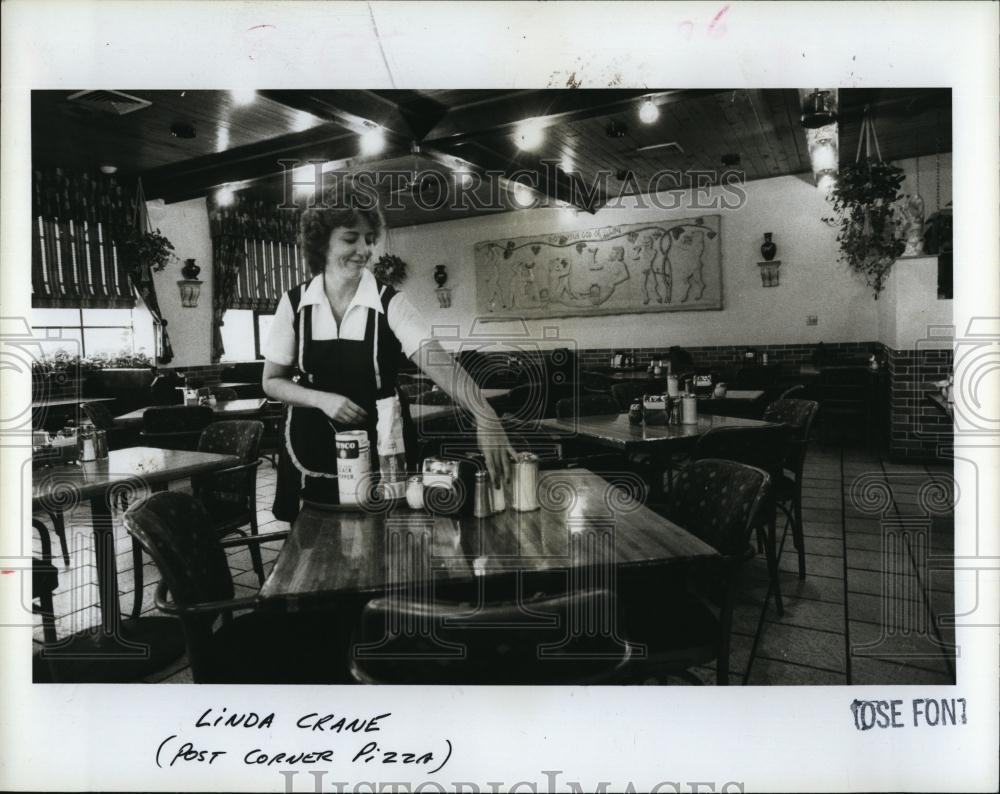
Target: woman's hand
(339,408)
(495,446)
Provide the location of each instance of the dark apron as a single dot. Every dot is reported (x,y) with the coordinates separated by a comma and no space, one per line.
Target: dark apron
(342,366)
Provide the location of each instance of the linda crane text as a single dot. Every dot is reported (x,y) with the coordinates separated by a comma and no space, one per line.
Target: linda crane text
(313,721)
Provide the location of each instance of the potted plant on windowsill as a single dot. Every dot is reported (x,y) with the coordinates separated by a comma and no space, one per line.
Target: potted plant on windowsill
(120,374)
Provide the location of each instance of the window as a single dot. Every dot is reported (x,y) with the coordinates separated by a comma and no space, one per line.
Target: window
(91,332)
(243,333)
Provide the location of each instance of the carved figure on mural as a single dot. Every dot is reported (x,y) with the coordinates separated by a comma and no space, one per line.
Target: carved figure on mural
(494,287)
(684,257)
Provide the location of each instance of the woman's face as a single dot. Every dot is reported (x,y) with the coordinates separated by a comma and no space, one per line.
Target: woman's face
(350,248)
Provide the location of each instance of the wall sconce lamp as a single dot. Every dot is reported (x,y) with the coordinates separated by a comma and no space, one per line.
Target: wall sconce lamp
(190,285)
(443,292)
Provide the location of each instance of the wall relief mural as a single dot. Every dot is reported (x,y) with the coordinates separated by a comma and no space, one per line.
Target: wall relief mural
(662,266)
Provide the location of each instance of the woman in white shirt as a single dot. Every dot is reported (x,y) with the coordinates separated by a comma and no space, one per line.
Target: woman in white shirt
(333,351)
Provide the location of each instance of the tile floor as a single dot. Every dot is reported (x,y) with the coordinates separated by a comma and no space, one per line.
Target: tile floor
(860,616)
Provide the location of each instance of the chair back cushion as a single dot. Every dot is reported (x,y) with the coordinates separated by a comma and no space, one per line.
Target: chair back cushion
(586,405)
(233,437)
(99,414)
(764,447)
(556,640)
(719,501)
(176,532)
(176,418)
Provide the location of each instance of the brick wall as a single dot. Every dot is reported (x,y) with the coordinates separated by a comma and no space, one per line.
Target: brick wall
(918,428)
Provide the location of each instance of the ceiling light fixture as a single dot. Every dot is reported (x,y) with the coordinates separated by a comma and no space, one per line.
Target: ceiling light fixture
(819,109)
(224,196)
(243,96)
(302,121)
(529,134)
(109,169)
(372,140)
(567,164)
(648,112)
(523,196)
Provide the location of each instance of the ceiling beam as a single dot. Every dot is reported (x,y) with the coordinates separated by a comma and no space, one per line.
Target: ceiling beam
(199,175)
(532,172)
(503,113)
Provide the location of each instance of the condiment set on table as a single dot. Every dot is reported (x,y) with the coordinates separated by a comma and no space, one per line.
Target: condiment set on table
(69,445)
(674,407)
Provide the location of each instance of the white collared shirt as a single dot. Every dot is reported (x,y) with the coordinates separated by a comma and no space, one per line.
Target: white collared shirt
(405,321)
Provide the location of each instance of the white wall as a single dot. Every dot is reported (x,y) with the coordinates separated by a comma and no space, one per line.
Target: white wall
(185,224)
(909,305)
(812,282)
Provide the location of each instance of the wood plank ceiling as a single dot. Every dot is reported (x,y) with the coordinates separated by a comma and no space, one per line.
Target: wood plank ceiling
(756,132)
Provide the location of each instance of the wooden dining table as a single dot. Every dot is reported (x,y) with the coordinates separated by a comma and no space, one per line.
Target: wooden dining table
(223,409)
(586,528)
(118,650)
(615,430)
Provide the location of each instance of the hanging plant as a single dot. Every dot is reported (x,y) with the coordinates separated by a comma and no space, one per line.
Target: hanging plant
(869,235)
(390,269)
(147,249)
(864,200)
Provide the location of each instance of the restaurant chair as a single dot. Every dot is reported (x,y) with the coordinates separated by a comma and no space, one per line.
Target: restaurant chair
(229,639)
(44,582)
(789,393)
(586,405)
(409,641)
(592,382)
(844,403)
(799,415)
(222,393)
(100,417)
(765,448)
(273,439)
(228,495)
(720,502)
(174,426)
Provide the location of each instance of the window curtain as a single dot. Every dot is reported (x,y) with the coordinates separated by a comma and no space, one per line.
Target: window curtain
(79,223)
(80,253)
(142,282)
(255,259)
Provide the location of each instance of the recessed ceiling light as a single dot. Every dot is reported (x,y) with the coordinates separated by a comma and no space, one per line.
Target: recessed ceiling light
(567,164)
(373,140)
(529,134)
(224,196)
(523,197)
(648,112)
(243,96)
(109,169)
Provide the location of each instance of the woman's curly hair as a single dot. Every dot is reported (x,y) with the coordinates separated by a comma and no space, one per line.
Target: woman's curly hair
(340,207)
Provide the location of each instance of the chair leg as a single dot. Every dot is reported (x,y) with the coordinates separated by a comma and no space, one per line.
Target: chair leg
(258,563)
(47,611)
(59,527)
(137,578)
(797,532)
(772,560)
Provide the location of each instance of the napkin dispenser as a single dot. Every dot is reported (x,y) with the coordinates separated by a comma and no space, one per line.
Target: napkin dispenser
(449,485)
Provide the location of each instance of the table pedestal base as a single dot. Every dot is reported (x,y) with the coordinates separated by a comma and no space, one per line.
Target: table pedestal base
(142,647)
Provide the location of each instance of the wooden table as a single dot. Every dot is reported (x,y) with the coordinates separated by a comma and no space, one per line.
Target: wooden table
(225,409)
(424,413)
(119,650)
(44,411)
(585,526)
(616,432)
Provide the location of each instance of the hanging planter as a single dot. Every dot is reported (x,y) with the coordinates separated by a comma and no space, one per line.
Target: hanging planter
(864,200)
(390,269)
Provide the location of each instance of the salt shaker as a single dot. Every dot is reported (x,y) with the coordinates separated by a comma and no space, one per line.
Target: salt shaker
(525,491)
